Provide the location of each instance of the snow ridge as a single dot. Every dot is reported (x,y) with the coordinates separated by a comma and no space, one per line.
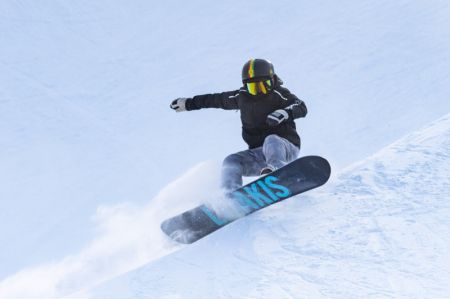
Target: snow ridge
(84,122)
(379,230)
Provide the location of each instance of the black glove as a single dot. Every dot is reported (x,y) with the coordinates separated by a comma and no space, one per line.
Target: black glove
(277,117)
(179,105)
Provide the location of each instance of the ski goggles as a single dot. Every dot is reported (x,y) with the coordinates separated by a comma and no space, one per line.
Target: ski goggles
(257,87)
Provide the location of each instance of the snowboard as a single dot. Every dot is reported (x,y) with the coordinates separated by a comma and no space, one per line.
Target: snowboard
(299,176)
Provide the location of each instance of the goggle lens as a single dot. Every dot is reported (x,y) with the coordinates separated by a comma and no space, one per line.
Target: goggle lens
(259,87)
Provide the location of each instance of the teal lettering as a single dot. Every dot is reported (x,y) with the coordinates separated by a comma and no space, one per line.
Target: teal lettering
(267,190)
(245,202)
(257,196)
(211,215)
(283,191)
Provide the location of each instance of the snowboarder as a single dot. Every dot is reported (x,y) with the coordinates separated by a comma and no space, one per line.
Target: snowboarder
(267,113)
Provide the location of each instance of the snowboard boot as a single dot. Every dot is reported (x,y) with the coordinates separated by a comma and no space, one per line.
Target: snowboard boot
(266,170)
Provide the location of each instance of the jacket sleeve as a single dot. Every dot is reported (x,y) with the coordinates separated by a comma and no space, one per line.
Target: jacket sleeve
(225,100)
(295,107)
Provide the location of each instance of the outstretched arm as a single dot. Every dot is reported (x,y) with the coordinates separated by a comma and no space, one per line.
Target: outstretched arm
(225,100)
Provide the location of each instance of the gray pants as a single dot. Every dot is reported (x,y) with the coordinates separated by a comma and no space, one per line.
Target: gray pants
(275,152)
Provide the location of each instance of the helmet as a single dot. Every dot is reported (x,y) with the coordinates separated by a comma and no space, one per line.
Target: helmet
(258,76)
(257,69)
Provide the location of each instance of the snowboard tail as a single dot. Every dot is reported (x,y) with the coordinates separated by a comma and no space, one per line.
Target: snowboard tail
(294,178)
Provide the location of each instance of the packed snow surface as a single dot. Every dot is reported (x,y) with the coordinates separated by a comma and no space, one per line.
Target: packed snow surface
(92,159)
(379,230)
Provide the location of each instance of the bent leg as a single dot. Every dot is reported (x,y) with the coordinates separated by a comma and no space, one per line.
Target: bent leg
(245,163)
(279,151)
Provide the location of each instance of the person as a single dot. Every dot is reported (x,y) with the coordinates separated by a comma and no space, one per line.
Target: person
(267,111)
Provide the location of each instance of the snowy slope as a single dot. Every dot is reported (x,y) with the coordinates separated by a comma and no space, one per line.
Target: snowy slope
(380,230)
(84,118)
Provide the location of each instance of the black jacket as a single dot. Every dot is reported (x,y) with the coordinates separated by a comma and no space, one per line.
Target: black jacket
(254,111)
